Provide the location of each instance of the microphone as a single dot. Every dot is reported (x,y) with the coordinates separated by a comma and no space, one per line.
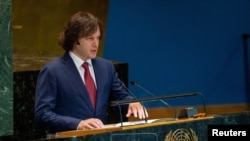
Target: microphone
(152,94)
(127,89)
(130,92)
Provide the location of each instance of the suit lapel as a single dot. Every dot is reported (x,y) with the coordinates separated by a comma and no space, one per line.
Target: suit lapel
(100,80)
(73,74)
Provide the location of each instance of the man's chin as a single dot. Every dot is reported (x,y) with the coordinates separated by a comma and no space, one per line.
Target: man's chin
(92,57)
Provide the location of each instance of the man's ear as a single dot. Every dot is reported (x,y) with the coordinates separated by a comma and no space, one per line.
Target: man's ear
(77,42)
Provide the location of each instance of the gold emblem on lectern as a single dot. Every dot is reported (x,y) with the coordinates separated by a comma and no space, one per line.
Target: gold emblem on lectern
(181,135)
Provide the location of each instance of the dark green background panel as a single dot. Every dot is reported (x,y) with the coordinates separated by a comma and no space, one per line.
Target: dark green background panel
(6,87)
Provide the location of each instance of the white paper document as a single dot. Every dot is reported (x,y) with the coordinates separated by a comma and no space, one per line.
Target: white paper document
(128,123)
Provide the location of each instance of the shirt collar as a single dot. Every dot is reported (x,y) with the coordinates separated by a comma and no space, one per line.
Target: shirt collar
(78,61)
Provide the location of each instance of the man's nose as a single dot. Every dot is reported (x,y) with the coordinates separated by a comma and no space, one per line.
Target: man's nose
(96,42)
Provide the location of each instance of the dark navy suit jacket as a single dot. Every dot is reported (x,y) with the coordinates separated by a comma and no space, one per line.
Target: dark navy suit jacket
(61,99)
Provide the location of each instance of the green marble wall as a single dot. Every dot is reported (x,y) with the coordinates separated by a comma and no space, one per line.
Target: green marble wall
(6,75)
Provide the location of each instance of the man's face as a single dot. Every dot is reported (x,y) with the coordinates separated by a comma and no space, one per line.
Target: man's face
(88,46)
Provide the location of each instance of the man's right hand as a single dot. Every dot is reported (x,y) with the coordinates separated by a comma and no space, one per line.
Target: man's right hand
(92,123)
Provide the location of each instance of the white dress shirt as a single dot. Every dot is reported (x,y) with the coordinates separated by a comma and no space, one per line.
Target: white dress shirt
(78,62)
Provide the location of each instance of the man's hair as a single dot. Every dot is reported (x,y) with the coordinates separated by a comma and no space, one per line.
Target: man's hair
(81,24)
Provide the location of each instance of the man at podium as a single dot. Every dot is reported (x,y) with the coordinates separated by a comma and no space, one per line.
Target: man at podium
(74,90)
